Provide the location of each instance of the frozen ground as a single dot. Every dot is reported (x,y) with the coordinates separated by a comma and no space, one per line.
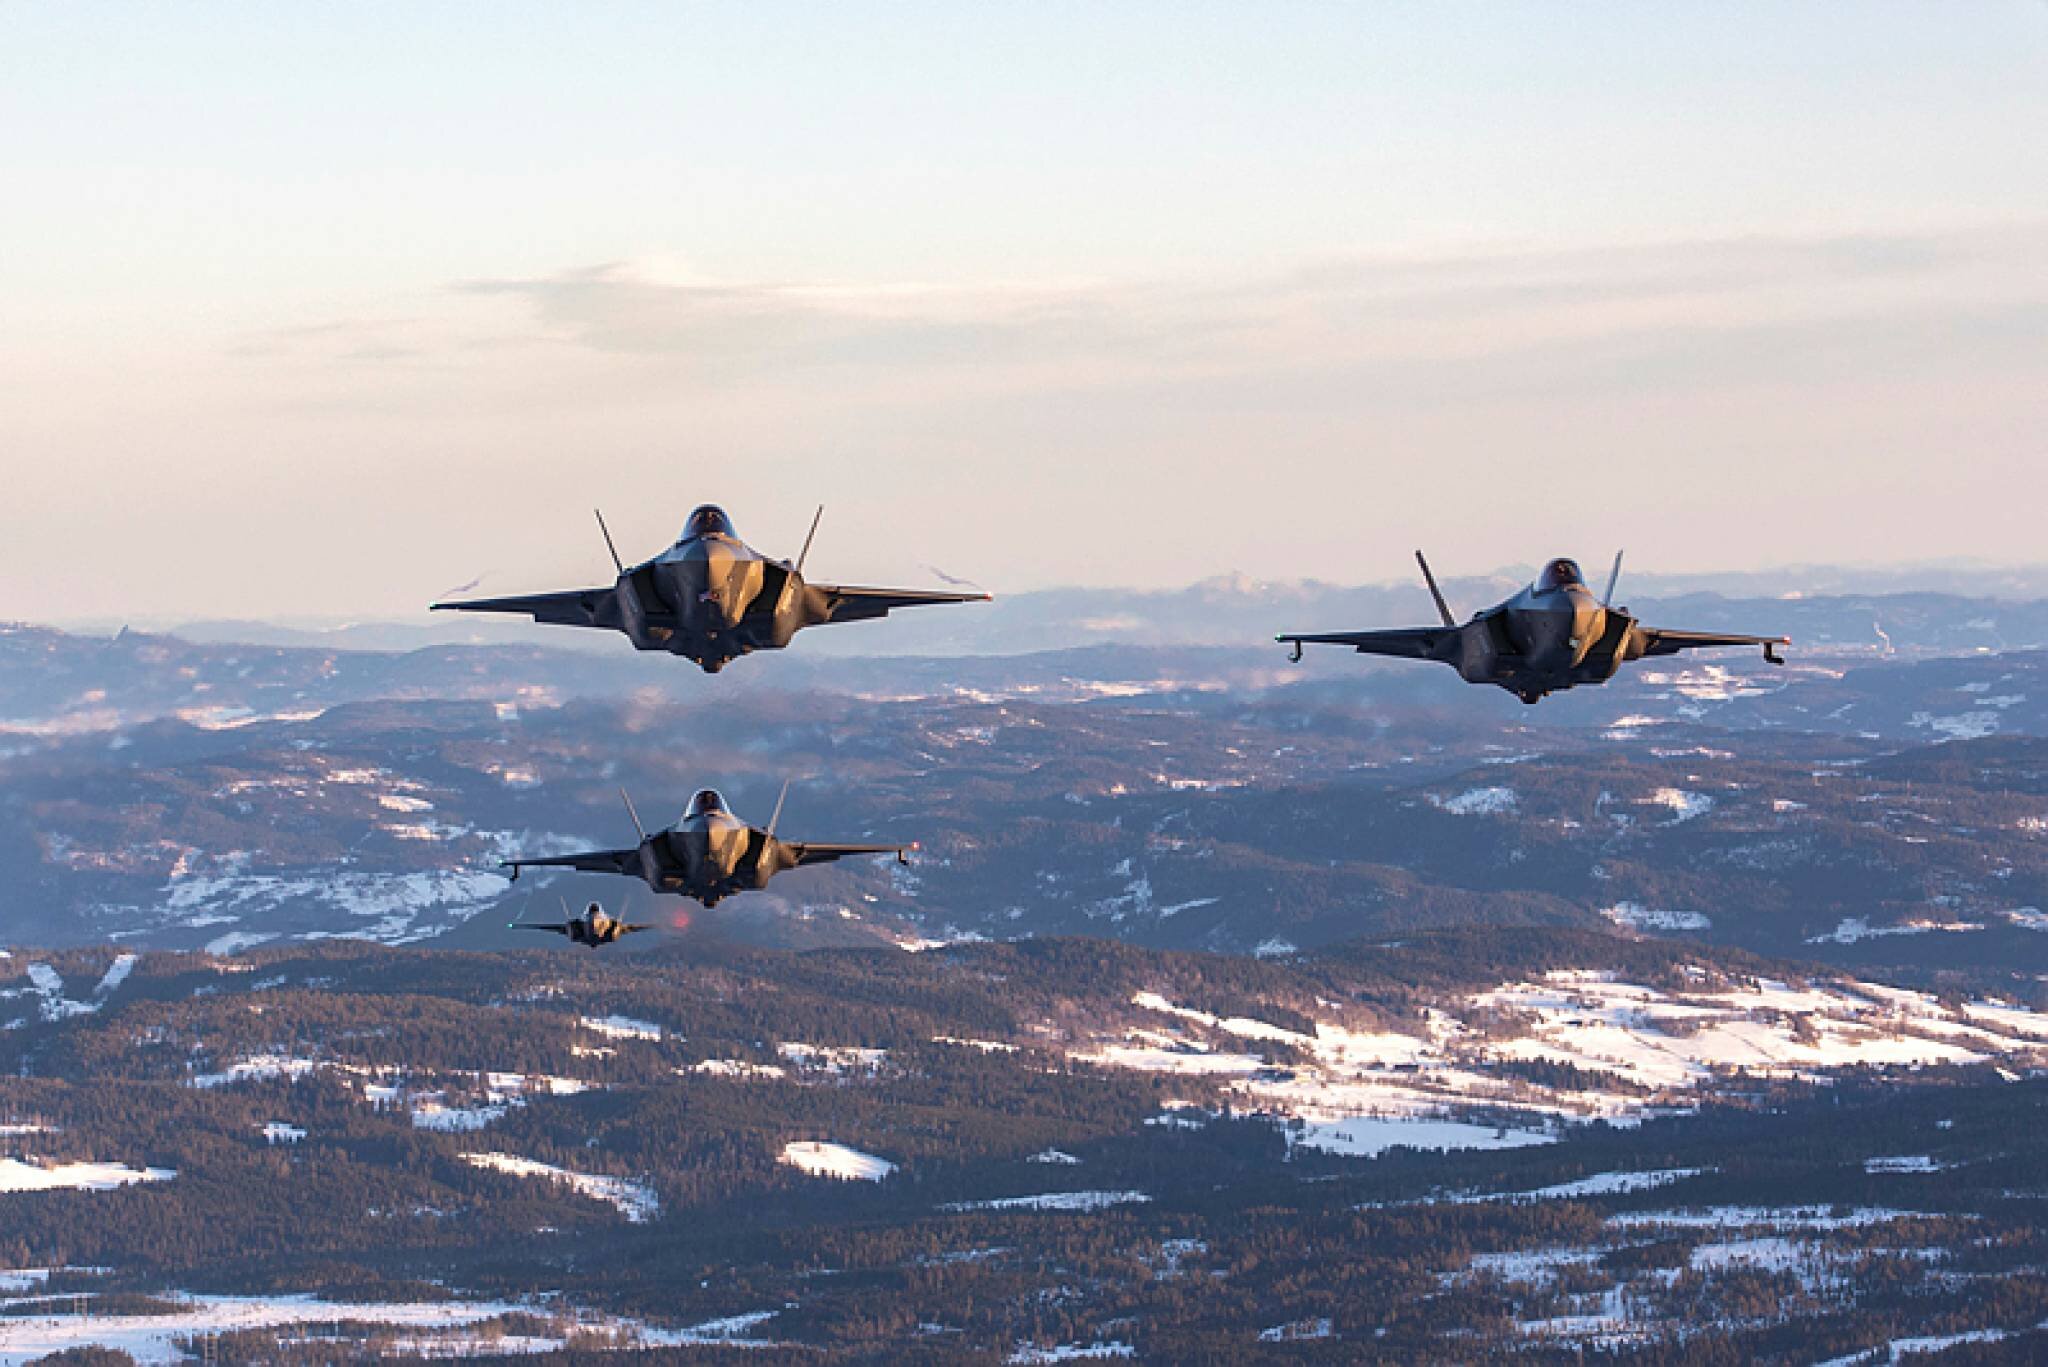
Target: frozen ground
(635,1200)
(821,1159)
(1440,1083)
(40,1175)
(437,1327)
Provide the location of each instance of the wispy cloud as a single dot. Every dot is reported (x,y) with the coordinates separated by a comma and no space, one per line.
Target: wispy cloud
(1645,306)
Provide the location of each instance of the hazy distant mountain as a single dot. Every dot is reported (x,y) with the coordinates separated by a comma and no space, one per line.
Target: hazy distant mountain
(1936,607)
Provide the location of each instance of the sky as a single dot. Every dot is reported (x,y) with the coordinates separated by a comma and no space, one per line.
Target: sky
(315,312)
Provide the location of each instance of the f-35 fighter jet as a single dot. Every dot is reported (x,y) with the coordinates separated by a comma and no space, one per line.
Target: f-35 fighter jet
(708,855)
(710,597)
(1551,636)
(593,927)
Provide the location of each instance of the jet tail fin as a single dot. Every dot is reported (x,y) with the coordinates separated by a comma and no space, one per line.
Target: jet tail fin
(1613,578)
(617,563)
(1443,609)
(630,811)
(776,815)
(809,536)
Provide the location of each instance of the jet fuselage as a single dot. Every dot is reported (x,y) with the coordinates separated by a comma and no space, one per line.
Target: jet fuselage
(594,927)
(715,590)
(710,854)
(1553,635)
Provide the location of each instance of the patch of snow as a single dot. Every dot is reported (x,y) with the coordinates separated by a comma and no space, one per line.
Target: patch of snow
(1853,928)
(1191,1062)
(1300,1329)
(45,1175)
(277,1132)
(1684,805)
(1636,916)
(257,1068)
(1963,726)
(1905,1162)
(622,1027)
(1070,1352)
(635,1200)
(986,1046)
(1535,1267)
(725,1331)
(1053,1156)
(821,1159)
(159,1339)
(1815,1218)
(1054,1200)
(428,1114)
(117,973)
(1608,1184)
(1368,1136)
(236,941)
(1477,802)
(734,1067)
(832,1058)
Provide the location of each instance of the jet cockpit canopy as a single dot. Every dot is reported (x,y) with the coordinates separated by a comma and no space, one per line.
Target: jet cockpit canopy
(1558,574)
(708,520)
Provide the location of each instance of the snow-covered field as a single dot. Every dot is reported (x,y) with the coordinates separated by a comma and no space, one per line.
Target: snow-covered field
(1072,1352)
(621,1027)
(635,1200)
(1439,1084)
(822,1159)
(437,1327)
(832,1058)
(486,1097)
(39,1175)
(1054,1200)
(1477,802)
(1366,1136)
(1636,916)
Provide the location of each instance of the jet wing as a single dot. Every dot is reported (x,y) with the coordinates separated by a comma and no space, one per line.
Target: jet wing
(844,603)
(588,861)
(573,608)
(812,853)
(1659,642)
(553,928)
(1408,643)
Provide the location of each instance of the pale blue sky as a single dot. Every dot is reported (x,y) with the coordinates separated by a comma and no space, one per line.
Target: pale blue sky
(405,287)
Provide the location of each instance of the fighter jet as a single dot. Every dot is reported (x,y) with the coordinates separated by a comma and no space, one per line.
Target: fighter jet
(710,597)
(1551,636)
(594,927)
(708,855)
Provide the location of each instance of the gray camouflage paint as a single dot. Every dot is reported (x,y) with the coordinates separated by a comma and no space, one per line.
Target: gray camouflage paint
(711,598)
(708,855)
(1553,635)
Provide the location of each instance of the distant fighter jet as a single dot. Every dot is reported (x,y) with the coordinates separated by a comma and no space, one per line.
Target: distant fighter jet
(710,597)
(592,928)
(708,855)
(1552,635)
